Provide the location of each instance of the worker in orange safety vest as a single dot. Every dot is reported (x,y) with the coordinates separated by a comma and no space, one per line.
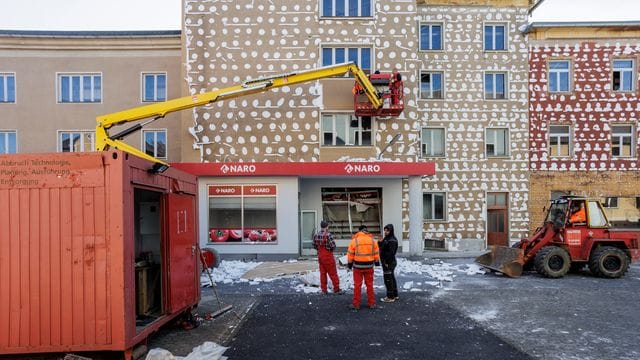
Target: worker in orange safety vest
(579,215)
(362,255)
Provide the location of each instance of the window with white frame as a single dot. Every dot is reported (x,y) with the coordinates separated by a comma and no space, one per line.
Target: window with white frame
(347,8)
(433,142)
(622,140)
(434,206)
(430,85)
(155,143)
(7,87)
(559,140)
(495,87)
(361,56)
(76,141)
(8,142)
(495,37)
(497,142)
(623,75)
(346,130)
(430,36)
(154,87)
(559,71)
(79,88)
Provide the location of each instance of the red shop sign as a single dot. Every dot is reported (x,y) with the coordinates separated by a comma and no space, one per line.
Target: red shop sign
(253,190)
(225,190)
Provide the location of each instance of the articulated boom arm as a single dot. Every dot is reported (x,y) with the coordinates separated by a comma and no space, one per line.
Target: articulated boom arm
(153,112)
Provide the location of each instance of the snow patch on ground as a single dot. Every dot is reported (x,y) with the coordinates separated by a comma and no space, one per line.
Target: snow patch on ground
(484,315)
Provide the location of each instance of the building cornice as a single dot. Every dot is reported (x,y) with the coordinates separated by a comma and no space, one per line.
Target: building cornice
(90,40)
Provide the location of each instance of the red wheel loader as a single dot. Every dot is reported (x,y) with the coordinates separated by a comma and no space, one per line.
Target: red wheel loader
(575,233)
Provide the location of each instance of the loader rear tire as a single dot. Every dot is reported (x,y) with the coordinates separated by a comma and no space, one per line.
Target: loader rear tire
(552,262)
(608,262)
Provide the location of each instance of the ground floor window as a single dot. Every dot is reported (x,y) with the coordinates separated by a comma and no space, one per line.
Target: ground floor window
(242,213)
(348,208)
(433,206)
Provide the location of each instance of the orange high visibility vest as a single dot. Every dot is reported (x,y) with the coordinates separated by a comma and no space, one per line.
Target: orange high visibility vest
(363,251)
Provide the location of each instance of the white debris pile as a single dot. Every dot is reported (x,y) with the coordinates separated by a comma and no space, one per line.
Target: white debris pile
(311,281)
(441,271)
(208,350)
(228,272)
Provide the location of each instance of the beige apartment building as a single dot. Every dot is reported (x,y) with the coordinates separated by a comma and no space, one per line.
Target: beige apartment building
(464,66)
(54,84)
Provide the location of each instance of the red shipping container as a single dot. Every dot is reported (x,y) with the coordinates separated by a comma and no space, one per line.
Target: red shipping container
(96,251)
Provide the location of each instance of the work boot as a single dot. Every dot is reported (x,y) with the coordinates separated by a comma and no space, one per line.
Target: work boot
(354,308)
(339,292)
(373,306)
(387,299)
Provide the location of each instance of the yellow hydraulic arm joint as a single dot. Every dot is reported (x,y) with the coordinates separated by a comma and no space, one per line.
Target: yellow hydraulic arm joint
(157,111)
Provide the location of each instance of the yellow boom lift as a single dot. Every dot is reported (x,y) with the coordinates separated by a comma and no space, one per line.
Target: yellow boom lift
(384,97)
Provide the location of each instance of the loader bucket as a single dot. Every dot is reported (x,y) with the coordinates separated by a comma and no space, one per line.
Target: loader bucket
(506,260)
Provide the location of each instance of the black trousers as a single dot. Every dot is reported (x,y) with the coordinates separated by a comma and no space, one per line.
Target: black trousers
(390,280)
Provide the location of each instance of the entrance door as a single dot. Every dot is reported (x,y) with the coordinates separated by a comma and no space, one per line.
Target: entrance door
(308,220)
(497,220)
(183,256)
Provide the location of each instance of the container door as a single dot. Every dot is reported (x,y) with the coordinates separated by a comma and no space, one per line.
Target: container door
(181,243)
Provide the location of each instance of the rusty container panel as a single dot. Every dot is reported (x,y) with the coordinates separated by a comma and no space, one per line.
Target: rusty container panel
(67,281)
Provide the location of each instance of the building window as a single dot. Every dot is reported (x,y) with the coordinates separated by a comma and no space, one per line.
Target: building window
(346,8)
(155,143)
(361,56)
(610,202)
(494,37)
(8,140)
(495,86)
(346,130)
(154,87)
(430,37)
(76,141)
(497,142)
(559,140)
(622,140)
(623,75)
(431,85)
(79,88)
(432,142)
(7,88)
(433,206)
(242,213)
(559,76)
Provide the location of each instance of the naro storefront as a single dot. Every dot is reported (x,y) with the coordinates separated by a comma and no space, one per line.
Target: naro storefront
(269,211)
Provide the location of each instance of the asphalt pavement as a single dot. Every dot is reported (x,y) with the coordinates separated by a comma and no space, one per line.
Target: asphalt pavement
(472,317)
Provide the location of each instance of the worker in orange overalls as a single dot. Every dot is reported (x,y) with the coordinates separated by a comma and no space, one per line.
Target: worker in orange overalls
(579,215)
(323,242)
(362,255)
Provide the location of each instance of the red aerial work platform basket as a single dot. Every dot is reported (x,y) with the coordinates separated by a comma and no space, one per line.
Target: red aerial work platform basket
(390,89)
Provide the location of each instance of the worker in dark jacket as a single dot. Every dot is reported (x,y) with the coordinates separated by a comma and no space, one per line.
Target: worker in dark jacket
(323,242)
(388,248)
(362,255)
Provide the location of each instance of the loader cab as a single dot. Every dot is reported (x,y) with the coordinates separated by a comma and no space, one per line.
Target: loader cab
(577,212)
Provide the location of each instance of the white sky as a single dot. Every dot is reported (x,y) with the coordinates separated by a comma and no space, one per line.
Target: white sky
(167,14)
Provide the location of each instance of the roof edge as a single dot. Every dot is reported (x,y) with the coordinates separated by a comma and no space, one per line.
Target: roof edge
(564,24)
(87,34)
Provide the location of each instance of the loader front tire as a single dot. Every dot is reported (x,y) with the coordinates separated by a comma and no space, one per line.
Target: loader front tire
(608,262)
(552,262)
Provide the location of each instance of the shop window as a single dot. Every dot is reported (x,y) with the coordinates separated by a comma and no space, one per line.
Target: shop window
(434,206)
(559,140)
(348,208)
(346,130)
(242,214)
